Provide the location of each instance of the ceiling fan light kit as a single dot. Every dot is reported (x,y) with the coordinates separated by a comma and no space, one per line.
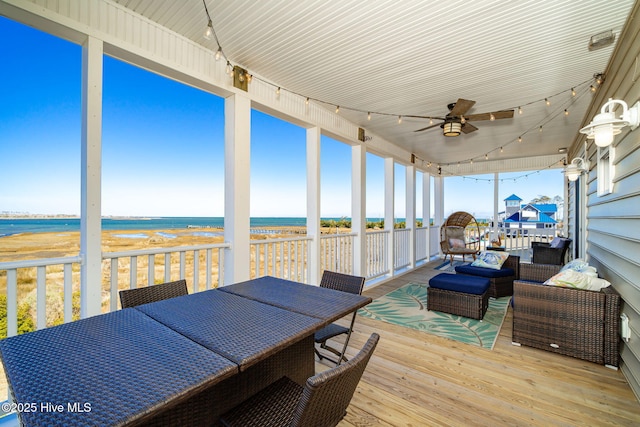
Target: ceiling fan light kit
(457,120)
(451,128)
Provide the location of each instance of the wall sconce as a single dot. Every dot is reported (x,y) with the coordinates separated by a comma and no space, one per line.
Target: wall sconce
(574,169)
(605,125)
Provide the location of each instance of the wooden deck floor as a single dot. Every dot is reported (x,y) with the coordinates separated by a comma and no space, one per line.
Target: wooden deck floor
(417,379)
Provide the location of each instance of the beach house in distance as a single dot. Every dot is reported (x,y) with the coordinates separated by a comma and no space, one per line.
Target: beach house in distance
(523,219)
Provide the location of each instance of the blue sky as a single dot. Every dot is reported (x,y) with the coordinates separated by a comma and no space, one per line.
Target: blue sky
(163,145)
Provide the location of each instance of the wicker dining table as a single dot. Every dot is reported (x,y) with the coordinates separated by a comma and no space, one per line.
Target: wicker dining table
(182,361)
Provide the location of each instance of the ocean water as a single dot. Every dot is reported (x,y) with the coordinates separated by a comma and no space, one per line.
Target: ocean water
(197,224)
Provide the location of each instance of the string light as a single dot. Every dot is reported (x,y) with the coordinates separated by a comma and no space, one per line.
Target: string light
(208,32)
(599,78)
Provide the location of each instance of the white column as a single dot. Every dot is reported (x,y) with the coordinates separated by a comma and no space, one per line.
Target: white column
(438,201)
(237,152)
(389,214)
(91,180)
(410,212)
(359,208)
(313,204)
(426,209)
(496,194)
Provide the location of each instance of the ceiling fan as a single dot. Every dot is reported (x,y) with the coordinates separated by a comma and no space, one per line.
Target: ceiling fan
(456,121)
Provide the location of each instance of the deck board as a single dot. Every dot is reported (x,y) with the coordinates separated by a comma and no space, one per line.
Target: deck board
(416,379)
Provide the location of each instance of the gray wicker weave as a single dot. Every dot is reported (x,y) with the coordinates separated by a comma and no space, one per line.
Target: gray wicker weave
(458,303)
(543,253)
(574,322)
(152,293)
(344,283)
(125,365)
(322,401)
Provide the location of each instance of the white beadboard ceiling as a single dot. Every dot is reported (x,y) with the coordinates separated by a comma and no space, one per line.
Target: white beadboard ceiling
(413,57)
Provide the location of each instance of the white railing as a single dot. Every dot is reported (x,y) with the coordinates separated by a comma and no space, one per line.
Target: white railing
(141,266)
(434,240)
(336,252)
(377,254)
(401,250)
(422,252)
(283,258)
(61,292)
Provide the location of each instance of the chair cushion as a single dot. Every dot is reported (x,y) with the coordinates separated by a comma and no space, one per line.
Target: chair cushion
(491,259)
(558,242)
(456,243)
(329,331)
(460,283)
(485,272)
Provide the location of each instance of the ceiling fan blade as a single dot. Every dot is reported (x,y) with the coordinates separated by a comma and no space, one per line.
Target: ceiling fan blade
(428,127)
(468,128)
(504,114)
(461,107)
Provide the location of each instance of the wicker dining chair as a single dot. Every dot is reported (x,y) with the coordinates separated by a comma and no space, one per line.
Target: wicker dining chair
(139,296)
(344,283)
(322,401)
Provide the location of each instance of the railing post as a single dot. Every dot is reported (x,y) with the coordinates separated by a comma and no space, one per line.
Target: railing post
(410,214)
(313,204)
(359,208)
(91,185)
(389,214)
(237,152)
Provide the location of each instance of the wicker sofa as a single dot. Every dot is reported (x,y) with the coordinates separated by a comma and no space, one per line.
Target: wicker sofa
(573,322)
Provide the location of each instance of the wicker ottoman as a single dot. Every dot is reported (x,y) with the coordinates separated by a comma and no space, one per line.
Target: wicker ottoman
(459,294)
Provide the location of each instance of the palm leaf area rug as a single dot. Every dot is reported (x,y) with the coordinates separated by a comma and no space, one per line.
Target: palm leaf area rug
(407,306)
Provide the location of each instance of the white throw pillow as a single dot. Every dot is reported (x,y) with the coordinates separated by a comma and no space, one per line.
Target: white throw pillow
(580,266)
(574,279)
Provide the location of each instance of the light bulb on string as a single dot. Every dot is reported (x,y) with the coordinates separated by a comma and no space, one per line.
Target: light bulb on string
(369,116)
(593,88)
(573,92)
(208,32)
(218,53)
(337,109)
(546,101)
(520,139)
(492,117)
(278,91)
(399,119)
(540,129)
(566,112)
(306,102)
(520,110)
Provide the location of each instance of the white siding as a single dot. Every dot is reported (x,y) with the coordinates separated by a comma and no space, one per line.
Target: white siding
(613,220)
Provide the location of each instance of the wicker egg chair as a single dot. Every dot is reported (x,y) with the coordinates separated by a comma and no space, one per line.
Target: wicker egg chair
(460,235)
